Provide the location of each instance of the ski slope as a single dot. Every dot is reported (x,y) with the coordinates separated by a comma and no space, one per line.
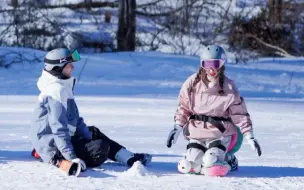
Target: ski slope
(132,98)
(142,124)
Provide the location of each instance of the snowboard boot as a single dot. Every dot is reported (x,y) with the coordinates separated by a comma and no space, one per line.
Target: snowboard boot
(128,158)
(145,159)
(233,163)
(35,154)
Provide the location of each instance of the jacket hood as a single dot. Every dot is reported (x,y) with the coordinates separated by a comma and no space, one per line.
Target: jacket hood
(46,80)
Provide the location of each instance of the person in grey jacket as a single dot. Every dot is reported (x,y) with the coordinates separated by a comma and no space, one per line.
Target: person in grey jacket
(59,135)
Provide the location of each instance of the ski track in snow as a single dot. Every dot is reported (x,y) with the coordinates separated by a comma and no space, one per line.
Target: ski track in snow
(142,125)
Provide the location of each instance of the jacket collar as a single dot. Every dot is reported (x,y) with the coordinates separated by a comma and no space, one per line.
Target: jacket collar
(46,79)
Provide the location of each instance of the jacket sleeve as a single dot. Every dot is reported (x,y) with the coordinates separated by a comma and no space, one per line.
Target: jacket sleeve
(58,122)
(83,129)
(183,111)
(239,114)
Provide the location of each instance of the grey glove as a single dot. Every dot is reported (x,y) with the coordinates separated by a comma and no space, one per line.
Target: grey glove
(173,135)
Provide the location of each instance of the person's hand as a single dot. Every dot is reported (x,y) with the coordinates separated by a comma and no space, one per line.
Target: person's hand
(173,135)
(253,143)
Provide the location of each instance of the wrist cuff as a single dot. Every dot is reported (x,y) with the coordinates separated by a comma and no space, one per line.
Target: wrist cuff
(178,127)
(249,135)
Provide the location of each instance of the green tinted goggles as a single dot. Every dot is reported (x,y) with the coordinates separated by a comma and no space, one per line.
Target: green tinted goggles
(73,57)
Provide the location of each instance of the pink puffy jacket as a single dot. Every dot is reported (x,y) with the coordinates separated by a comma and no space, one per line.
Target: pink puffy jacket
(207,101)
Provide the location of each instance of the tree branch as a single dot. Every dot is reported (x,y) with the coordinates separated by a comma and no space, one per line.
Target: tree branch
(165,13)
(281,52)
(149,4)
(82,5)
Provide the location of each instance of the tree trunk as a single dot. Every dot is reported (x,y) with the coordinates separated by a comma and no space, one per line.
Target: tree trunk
(126,25)
(14,3)
(88,4)
(275,11)
(186,18)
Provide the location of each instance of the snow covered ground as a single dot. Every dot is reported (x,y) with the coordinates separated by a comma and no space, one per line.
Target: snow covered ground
(142,124)
(132,98)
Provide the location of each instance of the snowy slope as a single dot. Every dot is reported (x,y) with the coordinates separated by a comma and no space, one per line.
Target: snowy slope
(132,98)
(157,74)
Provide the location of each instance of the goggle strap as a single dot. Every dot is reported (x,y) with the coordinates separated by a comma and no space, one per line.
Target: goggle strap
(59,61)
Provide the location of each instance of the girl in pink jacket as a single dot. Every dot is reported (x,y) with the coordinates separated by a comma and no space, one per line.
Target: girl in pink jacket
(213,117)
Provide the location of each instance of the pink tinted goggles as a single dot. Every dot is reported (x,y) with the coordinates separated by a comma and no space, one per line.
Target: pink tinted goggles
(212,63)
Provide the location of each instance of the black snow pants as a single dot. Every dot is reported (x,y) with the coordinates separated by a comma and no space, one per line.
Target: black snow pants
(93,152)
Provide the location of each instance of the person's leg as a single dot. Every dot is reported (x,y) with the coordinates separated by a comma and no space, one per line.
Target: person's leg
(214,159)
(192,162)
(114,146)
(233,144)
(230,142)
(118,152)
(92,152)
(233,162)
(216,152)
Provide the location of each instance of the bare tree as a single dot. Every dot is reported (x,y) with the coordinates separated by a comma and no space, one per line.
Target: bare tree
(126,25)
(177,26)
(186,25)
(275,11)
(277,30)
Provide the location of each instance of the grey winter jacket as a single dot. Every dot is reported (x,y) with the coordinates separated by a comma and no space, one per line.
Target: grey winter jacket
(56,118)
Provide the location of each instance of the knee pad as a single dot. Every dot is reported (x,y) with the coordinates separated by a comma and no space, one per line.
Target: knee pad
(195,152)
(192,163)
(216,153)
(212,156)
(214,162)
(184,166)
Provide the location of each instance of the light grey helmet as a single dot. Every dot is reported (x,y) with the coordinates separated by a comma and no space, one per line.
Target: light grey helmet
(59,57)
(213,52)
